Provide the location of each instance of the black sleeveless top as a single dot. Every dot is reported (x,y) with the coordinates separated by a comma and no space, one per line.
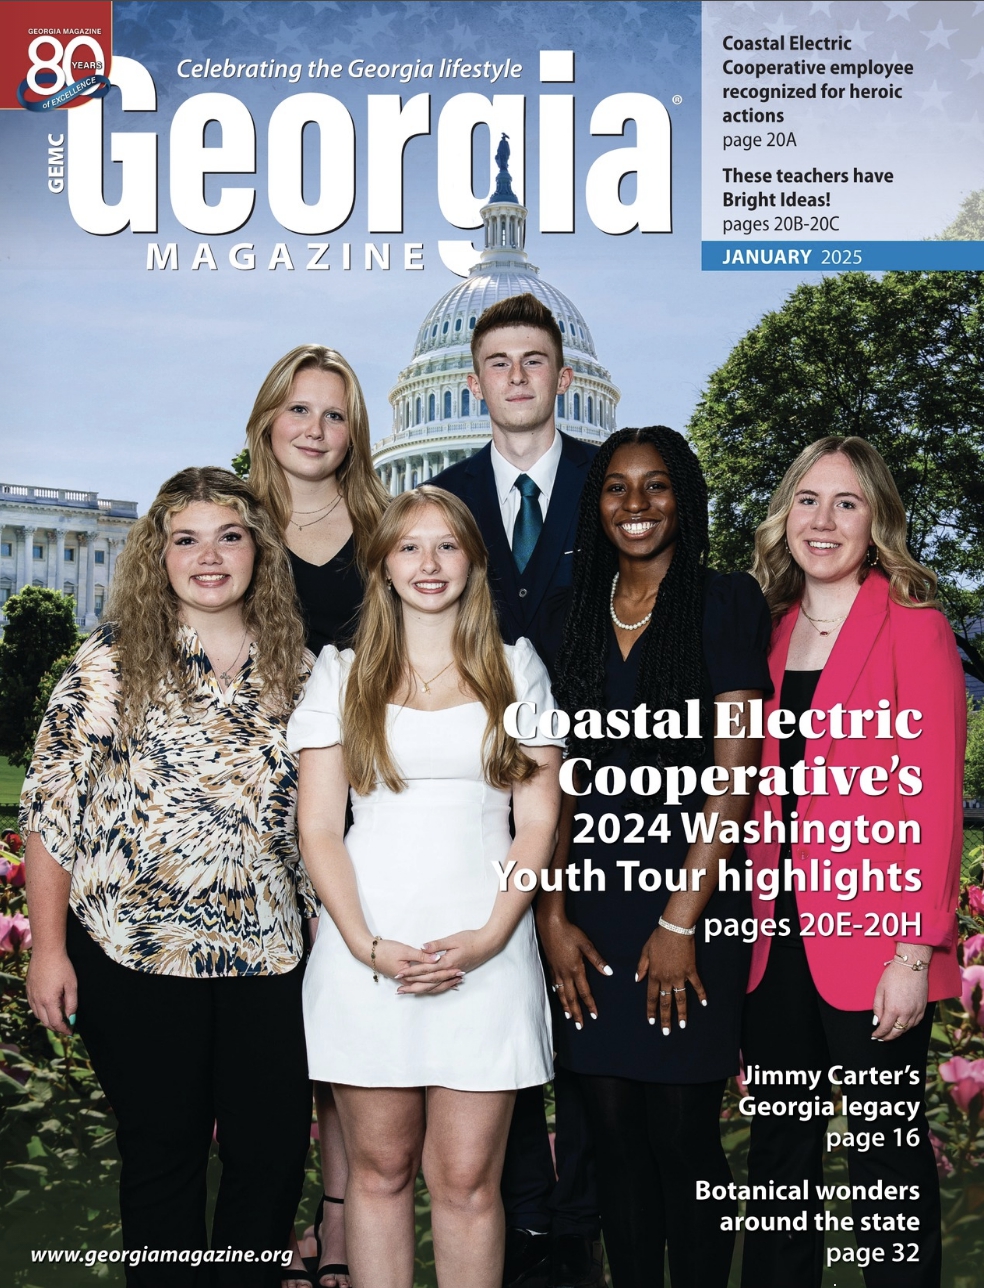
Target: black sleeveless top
(330,595)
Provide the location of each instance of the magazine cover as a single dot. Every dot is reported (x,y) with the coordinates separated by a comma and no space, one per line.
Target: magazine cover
(755,224)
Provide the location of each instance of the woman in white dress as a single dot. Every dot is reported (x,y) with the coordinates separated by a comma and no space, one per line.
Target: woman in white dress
(425,1004)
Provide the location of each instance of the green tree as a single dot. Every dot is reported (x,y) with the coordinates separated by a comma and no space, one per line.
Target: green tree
(897,360)
(974,764)
(969,223)
(40,629)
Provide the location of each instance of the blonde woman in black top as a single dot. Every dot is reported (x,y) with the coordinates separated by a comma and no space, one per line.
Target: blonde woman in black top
(311,464)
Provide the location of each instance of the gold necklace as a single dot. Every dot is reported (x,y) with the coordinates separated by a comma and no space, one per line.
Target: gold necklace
(428,683)
(312,522)
(813,621)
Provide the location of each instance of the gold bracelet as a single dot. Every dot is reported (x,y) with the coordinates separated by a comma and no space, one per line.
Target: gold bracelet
(372,958)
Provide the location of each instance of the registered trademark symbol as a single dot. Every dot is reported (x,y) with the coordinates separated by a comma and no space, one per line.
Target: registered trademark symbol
(677,99)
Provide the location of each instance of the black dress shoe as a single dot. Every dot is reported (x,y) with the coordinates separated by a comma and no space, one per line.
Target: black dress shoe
(576,1262)
(527,1262)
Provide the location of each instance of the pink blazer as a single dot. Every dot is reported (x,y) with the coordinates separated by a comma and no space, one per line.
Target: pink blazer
(907,655)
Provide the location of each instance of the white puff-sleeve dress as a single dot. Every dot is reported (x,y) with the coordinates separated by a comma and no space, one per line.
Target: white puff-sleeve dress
(425,862)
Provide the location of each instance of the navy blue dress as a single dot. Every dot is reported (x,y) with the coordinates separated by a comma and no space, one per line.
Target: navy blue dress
(621,1042)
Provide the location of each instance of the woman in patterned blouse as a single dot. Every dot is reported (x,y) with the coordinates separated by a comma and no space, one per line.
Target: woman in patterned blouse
(164,882)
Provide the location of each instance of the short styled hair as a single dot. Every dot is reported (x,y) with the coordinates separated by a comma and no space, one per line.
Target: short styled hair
(518,310)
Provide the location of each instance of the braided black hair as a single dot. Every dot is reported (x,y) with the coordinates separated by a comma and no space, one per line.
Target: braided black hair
(671,668)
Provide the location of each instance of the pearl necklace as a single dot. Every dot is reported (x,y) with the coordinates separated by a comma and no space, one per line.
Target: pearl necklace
(626,626)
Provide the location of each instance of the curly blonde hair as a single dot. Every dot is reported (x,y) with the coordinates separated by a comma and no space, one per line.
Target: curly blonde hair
(143,608)
(364,495)
(381,664)
(781,577)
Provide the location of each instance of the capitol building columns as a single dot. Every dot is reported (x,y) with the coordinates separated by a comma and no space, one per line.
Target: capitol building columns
(64,539)
(436,420)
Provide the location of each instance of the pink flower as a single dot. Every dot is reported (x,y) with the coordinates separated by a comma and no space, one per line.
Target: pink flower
(973,948)
(975,900)
(11,870)
(972,978)
(12,840)
(967,1077)
(15,933)
(943,1165)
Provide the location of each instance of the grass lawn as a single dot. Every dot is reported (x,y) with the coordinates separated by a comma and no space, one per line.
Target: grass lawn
(11,778)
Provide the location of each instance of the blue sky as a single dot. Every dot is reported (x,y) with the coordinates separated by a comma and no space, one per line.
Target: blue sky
(115,377)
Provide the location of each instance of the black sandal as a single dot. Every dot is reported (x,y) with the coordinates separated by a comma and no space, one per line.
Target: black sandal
(335,1268)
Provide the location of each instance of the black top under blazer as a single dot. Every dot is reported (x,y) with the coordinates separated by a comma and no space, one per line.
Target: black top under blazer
(532,603)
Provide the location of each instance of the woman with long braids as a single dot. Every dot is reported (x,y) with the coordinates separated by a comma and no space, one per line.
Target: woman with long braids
(653,1032)
(311,464)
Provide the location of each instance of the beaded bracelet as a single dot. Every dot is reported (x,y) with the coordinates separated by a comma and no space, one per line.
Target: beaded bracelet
(372,958)
(677,930)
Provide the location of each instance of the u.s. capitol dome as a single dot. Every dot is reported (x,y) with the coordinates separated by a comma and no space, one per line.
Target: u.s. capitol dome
(436,421)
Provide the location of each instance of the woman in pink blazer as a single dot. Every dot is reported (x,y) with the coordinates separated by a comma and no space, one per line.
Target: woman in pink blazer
(868,840)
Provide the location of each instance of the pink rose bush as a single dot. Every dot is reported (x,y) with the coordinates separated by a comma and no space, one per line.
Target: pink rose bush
(15,933)
(972,993)
(975,900)
(943,1165)
(11,870)
(973,949)
(966,1078)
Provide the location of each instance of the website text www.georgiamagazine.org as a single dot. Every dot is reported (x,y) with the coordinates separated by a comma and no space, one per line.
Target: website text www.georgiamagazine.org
(150,1256)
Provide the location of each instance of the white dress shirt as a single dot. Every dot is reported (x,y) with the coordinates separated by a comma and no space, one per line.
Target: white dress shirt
(543,472)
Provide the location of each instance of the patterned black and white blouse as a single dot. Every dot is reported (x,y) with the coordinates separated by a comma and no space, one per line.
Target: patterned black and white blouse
(180,837)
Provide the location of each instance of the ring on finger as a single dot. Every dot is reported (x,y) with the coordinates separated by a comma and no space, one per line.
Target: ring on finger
(900,1026)
(680,990)
(662,994)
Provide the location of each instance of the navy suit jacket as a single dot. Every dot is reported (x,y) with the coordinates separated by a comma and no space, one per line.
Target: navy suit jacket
(532,603)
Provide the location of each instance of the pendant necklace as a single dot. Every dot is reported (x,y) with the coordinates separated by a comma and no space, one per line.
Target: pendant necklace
(226,675)
(626,626)
(312,522)
(813,621)
(427,683)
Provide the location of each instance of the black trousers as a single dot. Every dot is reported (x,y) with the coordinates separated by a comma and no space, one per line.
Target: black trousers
(178,1058)
(788,1026)
(533,1197)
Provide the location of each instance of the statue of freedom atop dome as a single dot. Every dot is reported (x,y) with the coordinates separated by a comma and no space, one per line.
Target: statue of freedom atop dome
(503,180)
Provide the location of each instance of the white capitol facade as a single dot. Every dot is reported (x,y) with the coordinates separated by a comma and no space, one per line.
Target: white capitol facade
(436,421)
(64,539)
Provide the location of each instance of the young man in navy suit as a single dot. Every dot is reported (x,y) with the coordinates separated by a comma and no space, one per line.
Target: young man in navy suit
(524,489)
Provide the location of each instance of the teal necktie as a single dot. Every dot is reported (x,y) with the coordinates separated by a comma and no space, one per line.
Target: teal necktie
(529,521)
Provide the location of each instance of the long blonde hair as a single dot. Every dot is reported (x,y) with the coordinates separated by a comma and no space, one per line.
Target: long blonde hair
(381,665)
(143,608)
(781,577)
(364,495)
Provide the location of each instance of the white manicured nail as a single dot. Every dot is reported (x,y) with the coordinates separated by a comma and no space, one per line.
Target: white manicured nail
(683,1024)
(666,1033)
(607,970)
